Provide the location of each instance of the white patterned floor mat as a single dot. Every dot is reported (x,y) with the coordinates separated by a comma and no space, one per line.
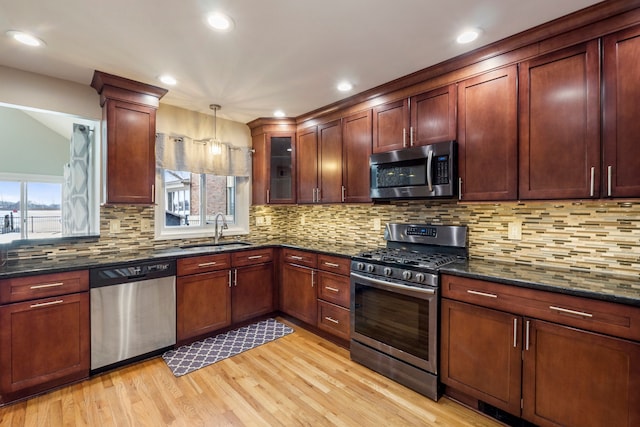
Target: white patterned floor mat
(194,356)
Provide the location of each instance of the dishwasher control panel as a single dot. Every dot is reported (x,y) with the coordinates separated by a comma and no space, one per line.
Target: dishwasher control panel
(130,272)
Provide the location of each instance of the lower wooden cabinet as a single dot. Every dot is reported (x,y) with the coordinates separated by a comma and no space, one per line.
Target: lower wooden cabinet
(203,303)
(298,292)
(334,319)
(252,292)
(43,343)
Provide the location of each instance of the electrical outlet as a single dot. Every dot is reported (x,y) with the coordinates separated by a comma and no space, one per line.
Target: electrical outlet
(267,220)
(376,224)
(145,225)
(114,226)
(515,230)
(260,221)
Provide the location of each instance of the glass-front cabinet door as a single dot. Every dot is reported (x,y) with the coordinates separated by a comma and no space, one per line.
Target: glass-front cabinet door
(281,187)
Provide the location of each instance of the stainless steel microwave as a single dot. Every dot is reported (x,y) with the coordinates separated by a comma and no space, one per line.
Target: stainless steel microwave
(415,173)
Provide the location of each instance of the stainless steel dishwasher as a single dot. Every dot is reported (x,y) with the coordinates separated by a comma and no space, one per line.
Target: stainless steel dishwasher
(133,312)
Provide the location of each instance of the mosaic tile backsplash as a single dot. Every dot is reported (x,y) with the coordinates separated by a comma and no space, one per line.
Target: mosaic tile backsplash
(602,236)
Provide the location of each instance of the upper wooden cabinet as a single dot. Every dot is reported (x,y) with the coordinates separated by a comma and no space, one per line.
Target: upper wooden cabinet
(560,124)
(273,168)
(356,143)
(129,117)
(621,114)
(307,165)
(420,120)
(488,136)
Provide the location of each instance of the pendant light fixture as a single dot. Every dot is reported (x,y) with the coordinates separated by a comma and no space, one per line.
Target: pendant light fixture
(216,145)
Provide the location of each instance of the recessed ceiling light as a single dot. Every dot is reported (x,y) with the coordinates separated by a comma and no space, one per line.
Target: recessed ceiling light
(345,86)
(468,36)
(220,22)
(25,38)
(278,113)
(168,80)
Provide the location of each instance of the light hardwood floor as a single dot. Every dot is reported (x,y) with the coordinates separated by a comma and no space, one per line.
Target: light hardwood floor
(298,380)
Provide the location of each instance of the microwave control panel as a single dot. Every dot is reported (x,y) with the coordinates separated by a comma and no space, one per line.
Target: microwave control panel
(441,169)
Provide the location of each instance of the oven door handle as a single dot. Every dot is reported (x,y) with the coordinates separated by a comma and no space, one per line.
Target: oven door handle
(394,285)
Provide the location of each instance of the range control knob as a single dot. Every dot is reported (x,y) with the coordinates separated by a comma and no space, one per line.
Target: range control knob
(370,268)
(406,275)
(360,266)
(387,271)
(420,277)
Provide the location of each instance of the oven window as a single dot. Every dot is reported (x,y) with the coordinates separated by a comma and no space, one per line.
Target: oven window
(401,174)
(397,320)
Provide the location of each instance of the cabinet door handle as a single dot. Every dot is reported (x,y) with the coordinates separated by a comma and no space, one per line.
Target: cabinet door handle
(317,195)
(482,294)
(48,285)
(329,288)
(567,311)
(207,264)
(331,264)
(255,257)
(459,188)
(332,320)
(404,137)
(153,193)
(296,257)
(344,193)
(229,278)
(45,304)
(313,277)
(268,197)
(593,179)
(526,336)
(609,174)
(411,136)
(235,277)
(515,333)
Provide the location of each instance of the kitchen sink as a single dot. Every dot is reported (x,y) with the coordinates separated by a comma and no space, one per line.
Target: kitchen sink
(215,247)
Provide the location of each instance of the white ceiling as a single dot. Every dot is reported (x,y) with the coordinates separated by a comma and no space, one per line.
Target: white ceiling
(282,54)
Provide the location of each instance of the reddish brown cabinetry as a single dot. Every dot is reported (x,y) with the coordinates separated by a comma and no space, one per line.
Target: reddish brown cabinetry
(433,116)
(252,278)
(390,126)
(273,168)
(488,136)
(559,97)
(356,140)
(492,347)
(333,295)
(621,133)
(203,295)
(129,114)
(44,340)
(298,288)
(307,165)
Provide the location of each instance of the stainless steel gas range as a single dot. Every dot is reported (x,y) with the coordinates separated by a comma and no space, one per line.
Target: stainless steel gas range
(395,302)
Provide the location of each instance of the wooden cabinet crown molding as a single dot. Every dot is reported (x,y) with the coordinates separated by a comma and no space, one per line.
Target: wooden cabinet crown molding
(121,89)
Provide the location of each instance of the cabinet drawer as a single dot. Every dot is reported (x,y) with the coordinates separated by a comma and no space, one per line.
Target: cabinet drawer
(334,264)
(333,288)
(42,286)
(202,264)
(257,256)
(593,315)
(334,319)
(294,256)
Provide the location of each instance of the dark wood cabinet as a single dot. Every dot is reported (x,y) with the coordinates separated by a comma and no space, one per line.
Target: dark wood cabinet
(129,115)
(390,126)
(433,116)
(357,143)
(334,295)
(307,165)
(577,378)
(621,92)
(273,168)
(562,366)
(44,342)
(252,293)
(298,288)
(330,188)
(481,353)
(488,136)
(203,295)
(559,96)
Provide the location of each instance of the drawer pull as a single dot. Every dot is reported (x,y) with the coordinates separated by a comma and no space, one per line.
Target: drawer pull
(207,264)
(332,320)
(482,294)
(331,264)
(49,285)
(255,257)
(329,288)
(567,311)
(297,258)
(45,304)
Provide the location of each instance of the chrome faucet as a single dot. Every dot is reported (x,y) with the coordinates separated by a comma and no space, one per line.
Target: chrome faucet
(217,232)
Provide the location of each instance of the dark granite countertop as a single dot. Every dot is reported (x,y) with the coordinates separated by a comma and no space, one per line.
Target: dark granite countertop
(620,289)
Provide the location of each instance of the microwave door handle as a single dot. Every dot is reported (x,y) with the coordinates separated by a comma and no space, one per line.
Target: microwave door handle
(429,182)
